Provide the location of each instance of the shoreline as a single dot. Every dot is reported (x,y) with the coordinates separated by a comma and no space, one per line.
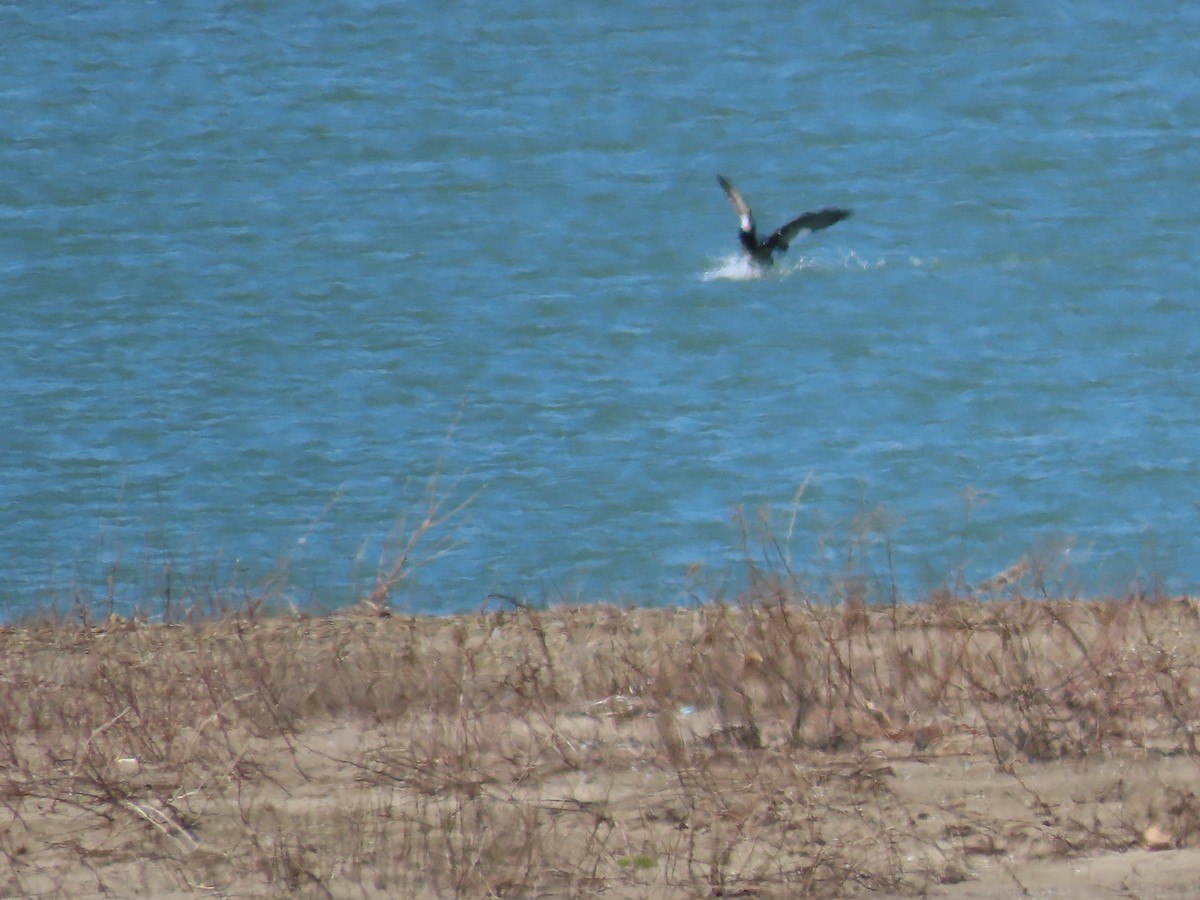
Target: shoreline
(954,748)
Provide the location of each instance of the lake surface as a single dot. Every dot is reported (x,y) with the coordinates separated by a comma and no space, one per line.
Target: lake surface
(275,277)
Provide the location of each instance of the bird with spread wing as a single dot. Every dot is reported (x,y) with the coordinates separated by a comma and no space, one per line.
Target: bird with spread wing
(761,251)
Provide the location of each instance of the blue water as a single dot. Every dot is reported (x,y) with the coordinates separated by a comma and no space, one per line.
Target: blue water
(275,278)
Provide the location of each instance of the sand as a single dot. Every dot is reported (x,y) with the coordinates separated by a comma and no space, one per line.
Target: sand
(956,749)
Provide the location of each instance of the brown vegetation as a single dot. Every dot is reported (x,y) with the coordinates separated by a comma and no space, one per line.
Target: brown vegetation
(767,748)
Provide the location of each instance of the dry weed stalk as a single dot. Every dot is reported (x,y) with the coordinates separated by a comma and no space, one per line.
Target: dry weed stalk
(390,574)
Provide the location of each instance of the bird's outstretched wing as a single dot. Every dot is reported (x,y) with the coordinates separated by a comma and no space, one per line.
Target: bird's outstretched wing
(810,221)
(739,203)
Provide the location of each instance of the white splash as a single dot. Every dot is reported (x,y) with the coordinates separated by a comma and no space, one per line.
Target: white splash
(735,268)
(740,268)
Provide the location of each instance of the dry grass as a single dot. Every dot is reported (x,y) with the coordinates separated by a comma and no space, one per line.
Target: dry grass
(766,748)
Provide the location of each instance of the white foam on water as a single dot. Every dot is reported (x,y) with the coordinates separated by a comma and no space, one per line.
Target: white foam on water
(735,268)
(739,267)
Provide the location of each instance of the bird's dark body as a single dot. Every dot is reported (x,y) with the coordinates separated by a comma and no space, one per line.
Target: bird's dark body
(756,248)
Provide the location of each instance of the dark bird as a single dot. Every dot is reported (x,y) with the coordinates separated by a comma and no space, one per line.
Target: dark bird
(760,251)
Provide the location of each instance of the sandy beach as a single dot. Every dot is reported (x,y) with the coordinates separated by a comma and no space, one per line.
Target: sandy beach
(773,748)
